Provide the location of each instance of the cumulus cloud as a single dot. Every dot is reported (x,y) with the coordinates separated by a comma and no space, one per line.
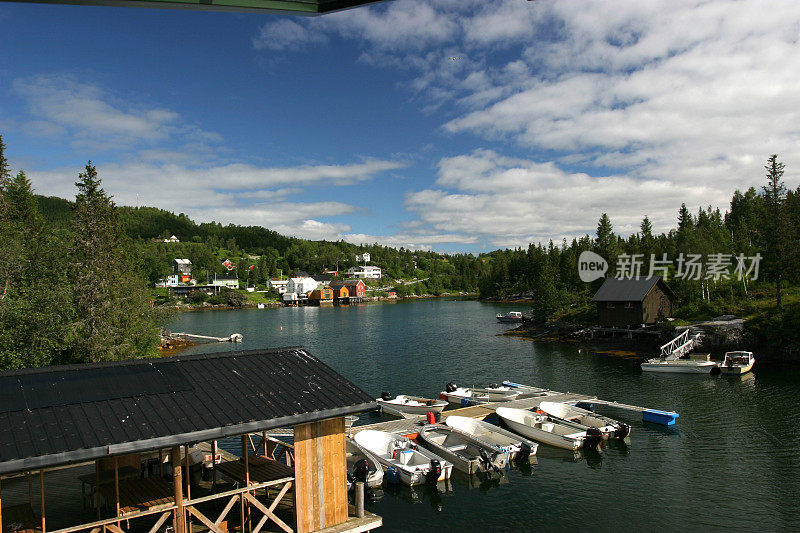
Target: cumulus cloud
(508,202)
(92,118)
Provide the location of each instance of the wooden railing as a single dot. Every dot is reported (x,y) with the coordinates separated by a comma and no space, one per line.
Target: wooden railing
(243,496)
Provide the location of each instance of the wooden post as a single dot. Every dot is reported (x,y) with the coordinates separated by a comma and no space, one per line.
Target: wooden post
(245,504)
(320,475)
(264,441)
(1,504)
(97,489)
(41,496)
(213,465)
(161,464)
(360,499)
(188,477)
(179,522)
(116,486)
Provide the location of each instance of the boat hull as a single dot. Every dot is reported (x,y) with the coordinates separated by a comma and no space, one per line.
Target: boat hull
(406,409)
(356,453)
(521,422)
(411,462)
(609,428)
(680,367)
(517,447)
(736,370)
(462,450)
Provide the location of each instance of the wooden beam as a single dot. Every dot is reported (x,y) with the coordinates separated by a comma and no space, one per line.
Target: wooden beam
(41,496)
(116,484)
(1,503)
(213,464)
(179,523)
(97,489)
(159,522)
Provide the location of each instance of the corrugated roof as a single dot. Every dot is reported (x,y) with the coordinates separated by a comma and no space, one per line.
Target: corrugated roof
(58,415)
(627,290)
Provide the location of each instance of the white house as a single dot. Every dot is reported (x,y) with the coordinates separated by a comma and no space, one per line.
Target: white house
(225,281)
(298,288)
(364,272)
(172,239)
(277,285)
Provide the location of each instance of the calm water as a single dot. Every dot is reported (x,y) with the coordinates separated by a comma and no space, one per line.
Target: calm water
(733,461)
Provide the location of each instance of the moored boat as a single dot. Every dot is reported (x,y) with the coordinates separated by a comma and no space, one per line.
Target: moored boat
(467,453)
(409,406)
(609,428)
(737,363)
(510,317)
(679,366)
(517,447)
(362,465)
(548,430)
(464,396)
(414,465)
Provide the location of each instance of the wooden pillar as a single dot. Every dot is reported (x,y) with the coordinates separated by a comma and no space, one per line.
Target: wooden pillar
(116,486)
(188,476)
(97,489)
(320,474)
(179,522)
(161,464)
(41,496)
(213,464)
(1,504)
(245,514)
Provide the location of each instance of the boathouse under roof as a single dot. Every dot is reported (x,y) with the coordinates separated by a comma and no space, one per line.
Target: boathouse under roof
(114,415)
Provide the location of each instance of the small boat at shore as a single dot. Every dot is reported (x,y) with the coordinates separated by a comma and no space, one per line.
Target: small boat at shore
(465,396)
(362,465)
(413,464)
(467,453)
(609,428)
(695,365)
(510,317)
(548,430)
(737,363)
(518,448)
(406,406)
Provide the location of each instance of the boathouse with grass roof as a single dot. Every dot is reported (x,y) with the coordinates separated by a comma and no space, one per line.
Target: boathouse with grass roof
(147,444)
(627,302)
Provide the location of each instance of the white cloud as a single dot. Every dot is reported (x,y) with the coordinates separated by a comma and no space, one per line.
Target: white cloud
(96,120)
(286,34)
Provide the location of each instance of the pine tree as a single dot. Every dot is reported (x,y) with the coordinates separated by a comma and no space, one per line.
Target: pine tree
(777,234)
(112,301)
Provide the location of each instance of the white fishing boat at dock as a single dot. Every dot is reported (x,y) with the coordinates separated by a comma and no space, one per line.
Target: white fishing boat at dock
(737,363)
(549,430)
(406,406)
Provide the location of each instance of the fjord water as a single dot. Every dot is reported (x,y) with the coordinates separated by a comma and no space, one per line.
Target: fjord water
(732,462)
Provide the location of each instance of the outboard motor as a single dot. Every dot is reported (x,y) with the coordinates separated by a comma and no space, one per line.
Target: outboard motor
(385,396)
(525,450)
(593,439)
(450,387)
(433,474)
(361,470)
(622,431)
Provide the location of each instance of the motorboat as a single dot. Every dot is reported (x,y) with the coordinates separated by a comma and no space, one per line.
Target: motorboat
(548,430)
(464,396)
(517,447)
(510,317)
(737,363)
(467,453)
(409,406)
(694,364)
(609,428)
(362,465)
(413,464)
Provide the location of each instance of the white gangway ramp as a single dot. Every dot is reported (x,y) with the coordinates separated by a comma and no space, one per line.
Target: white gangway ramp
(680,345)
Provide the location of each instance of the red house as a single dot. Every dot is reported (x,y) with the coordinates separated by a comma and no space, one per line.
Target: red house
(355,288)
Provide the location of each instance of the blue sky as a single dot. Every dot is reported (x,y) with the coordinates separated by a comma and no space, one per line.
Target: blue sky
(360,126)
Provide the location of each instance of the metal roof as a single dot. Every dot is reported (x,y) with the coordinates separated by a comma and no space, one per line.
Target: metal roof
(628,290)
(294,7)
(58,415)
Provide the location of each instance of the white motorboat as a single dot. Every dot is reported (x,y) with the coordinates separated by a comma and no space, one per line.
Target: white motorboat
(693,365)
(467,453)
(609,428)
(517,447)
(510,317)
(464,396)
(548,430)
(409,406)
(415,465)
(362,465)
(737,363)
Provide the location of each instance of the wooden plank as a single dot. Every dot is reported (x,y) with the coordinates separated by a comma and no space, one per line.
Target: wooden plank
(334,471)
(303,488)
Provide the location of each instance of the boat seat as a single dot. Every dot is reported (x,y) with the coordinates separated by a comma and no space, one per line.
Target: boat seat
(457,447)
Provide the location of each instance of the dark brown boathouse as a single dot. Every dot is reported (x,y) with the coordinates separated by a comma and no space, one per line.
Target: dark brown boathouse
(142,439)
(633,301)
